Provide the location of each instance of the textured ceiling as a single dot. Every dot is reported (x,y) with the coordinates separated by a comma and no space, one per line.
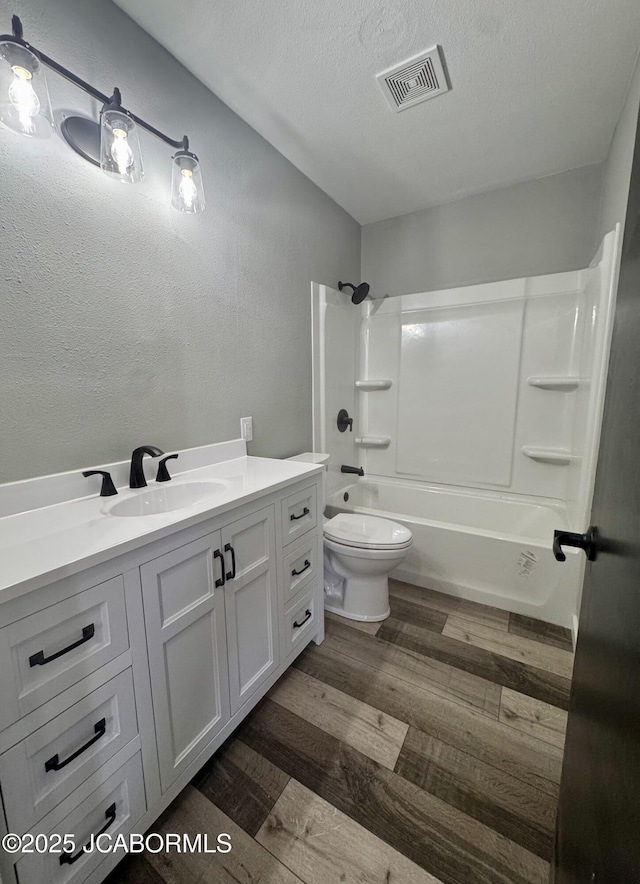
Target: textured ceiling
(537,87)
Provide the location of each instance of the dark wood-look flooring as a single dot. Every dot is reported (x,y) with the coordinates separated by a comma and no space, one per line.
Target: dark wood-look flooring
(423,750)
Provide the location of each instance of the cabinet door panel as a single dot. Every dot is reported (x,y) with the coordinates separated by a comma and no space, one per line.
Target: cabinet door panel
(184,616)
(251,603)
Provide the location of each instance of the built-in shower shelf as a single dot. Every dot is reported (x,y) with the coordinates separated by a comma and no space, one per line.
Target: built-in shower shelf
(374,384)
(559,382)
(561,456)
(373,441)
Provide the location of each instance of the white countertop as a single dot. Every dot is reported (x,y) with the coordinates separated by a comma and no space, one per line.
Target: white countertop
(42,545)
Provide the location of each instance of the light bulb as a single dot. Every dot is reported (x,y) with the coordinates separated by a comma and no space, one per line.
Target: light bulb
(121,152)
(23,97)
(187,190)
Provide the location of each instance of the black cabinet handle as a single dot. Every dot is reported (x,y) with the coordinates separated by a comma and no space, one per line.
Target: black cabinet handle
(69,859)
(307,565)
(39,659)
(305,512)
(218,555)
(54,762)
(587,541)
(232,573)
(302,622)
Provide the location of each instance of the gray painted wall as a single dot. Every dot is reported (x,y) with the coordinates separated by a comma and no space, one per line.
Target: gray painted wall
(547,225)
(125,322)
(617,170)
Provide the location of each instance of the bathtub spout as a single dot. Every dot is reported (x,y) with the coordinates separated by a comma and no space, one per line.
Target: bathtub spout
(358,471)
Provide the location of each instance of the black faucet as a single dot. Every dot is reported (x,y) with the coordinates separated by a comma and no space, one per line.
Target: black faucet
(136,476)
(357,470)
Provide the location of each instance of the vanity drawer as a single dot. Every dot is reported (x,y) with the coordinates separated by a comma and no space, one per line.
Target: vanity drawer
(114,807)
(39,772)
(300,620)
(46,652)
(301,565)
(299,514)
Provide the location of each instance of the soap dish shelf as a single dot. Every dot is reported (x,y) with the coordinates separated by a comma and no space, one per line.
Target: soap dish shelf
(560,456)
(373,441)
(374,384)
(558,382)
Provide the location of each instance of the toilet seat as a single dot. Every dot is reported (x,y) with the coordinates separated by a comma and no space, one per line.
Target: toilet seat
(367,532)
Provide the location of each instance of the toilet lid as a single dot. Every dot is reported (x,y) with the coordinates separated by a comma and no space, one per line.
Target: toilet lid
(366,532)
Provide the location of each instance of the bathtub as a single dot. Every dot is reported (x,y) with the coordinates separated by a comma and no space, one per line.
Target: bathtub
(476,545)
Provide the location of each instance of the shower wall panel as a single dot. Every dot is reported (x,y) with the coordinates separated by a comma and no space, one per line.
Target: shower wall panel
(336,324)
(458,392)
(462,407)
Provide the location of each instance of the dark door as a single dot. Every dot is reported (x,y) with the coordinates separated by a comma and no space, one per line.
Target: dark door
(598,835)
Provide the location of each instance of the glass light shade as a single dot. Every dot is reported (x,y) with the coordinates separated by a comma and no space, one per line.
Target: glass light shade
(187,192)
(24,97)
(120,154)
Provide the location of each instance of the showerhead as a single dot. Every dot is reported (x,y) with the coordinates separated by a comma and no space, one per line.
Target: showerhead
(360,292)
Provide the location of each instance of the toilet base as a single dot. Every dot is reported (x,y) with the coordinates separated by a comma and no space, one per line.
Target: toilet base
(361,617)
(363,598)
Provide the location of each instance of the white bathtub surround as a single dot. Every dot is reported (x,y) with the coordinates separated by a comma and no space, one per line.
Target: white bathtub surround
(373,441)
(336,320)
(492,403)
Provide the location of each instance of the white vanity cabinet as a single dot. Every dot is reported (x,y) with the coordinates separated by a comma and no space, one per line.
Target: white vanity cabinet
(211,615)
(118,683)
(251,603)
(187,648)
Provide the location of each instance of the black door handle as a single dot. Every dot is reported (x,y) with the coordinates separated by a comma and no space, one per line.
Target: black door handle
(218,555)
(70,858)
(307,565)
(54,762)
(305,512)
(39,659)
(304,619)
(587,541)
(232,573)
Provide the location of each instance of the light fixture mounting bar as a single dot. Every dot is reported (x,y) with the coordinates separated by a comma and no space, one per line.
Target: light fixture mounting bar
(17,38)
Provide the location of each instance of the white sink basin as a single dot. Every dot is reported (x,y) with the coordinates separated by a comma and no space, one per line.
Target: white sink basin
(164,499)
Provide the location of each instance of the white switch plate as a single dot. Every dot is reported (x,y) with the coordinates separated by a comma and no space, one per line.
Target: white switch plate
(246,428)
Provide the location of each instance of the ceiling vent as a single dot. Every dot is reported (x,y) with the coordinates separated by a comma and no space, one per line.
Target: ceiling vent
(415,80)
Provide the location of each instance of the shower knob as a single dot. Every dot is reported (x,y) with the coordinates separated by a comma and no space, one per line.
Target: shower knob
(344,421)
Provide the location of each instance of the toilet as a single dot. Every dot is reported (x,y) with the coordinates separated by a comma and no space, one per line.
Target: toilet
(360,551)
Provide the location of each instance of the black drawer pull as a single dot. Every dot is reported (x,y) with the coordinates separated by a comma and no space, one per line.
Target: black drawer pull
(232,573)
(305,512)
(54,762)
(39,659)
(68,859)
(307,565)
(302,622)
(218,555)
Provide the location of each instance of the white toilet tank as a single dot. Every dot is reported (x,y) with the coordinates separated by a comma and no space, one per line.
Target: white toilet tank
(320,459)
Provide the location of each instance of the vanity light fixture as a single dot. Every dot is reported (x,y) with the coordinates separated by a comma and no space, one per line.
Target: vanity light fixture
(120,153)
(187,193)
(24,97)
(111,144)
